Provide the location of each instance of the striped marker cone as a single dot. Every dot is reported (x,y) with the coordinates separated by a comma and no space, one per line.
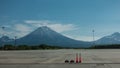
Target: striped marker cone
(77,61)
(80,58)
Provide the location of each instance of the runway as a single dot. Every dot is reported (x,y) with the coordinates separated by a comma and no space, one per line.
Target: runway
(91,58)
(61,65)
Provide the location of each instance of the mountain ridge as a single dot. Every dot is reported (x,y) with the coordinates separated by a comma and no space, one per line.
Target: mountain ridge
(45,35)
(110,39)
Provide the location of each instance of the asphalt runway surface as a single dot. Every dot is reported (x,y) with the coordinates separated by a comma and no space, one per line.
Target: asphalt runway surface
(91,58)
(60,65)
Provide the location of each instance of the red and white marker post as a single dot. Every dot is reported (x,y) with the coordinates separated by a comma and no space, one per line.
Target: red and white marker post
(77,58)
(80,58)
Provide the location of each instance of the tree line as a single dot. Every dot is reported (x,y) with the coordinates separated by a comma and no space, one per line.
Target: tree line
(46,47)
(27,47)
(106,46)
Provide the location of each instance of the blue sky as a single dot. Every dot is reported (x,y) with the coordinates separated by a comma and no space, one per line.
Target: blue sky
(73,18)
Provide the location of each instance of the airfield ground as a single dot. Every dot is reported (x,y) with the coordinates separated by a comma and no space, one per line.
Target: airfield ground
(91,58)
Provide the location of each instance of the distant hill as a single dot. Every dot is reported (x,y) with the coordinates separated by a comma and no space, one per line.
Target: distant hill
(45,35)
(111,39)
(5,39)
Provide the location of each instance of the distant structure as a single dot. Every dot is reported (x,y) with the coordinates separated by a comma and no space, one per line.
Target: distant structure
(3,36)
(3,30)
(15,42)
(93,36)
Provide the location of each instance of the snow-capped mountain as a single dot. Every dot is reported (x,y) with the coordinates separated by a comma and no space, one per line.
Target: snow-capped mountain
(111,39)
(5,39)
(45,35)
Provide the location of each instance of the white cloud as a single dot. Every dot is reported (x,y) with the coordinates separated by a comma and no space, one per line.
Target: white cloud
(86,38)
(5,30)
(18,30)
(62,27)
(28,26)
(53,25)
(22,28)
(82,38)
(36,21)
